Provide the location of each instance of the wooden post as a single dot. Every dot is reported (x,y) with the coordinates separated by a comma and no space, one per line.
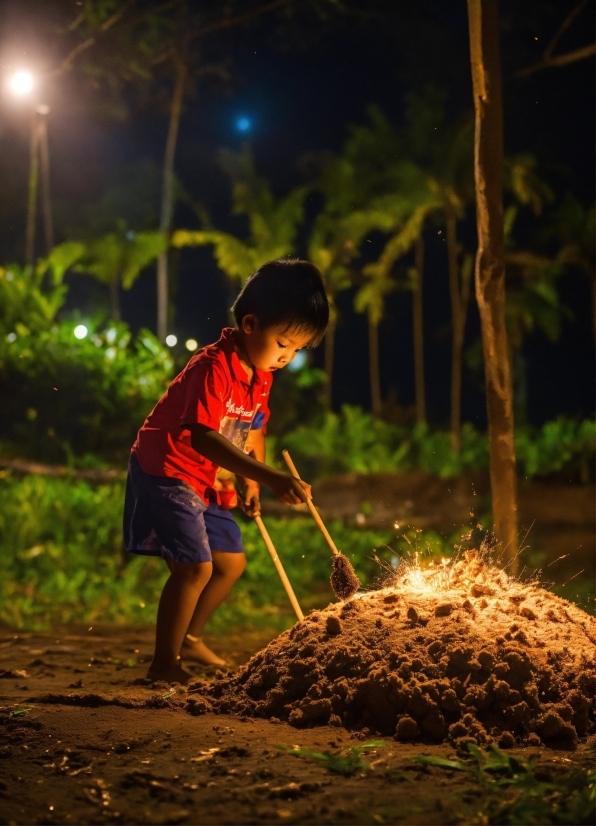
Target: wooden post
(418,332)
(167,198)
(32,191)
(374,366)
(457,333)
(490,268)
(329,356)
(43,111)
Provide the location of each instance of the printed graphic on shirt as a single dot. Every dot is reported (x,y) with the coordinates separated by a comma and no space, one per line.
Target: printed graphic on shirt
(235,430)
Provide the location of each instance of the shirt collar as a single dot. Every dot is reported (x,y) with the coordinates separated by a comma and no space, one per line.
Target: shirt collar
(227,343)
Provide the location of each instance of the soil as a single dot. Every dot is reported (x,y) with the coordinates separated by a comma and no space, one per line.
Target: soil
(84,738)
(454,653)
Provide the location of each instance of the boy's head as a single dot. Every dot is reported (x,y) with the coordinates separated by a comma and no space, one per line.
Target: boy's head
(281,309)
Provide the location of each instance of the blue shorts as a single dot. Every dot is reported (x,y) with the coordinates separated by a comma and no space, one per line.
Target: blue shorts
(166,517)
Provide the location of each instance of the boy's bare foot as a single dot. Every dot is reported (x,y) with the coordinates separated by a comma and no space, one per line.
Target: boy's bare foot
(193,648)
(172,674)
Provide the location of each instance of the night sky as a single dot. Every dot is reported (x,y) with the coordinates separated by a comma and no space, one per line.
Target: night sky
(300,86)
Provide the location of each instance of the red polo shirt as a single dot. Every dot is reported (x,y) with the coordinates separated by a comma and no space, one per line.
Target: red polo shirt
(213,389)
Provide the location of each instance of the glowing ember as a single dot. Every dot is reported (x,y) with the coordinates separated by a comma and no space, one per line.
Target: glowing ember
(455,651)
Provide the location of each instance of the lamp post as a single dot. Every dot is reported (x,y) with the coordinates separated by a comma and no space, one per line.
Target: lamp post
(21,84)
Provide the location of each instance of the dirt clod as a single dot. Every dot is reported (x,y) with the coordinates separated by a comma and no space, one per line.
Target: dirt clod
(453,668)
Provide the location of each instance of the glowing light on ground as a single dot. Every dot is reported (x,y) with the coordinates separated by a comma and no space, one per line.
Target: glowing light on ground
(80,331)
(171,340)
(191,344)
(21,83)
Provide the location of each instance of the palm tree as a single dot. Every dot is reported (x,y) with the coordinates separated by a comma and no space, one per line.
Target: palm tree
(117,260)
(574,229)
(444,151)
(397,194)
(408,220)
(273,222)
(337,234)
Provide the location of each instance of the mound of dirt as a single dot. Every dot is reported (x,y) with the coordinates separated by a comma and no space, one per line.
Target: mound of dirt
(457,652)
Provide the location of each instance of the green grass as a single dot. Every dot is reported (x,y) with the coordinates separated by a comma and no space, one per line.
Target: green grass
(346,762)
(514,792)
(62,560)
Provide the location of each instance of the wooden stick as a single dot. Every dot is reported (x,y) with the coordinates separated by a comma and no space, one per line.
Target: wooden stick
(313,511)
(280,569)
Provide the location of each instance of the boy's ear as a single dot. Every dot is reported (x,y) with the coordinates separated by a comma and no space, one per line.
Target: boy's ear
(249,323)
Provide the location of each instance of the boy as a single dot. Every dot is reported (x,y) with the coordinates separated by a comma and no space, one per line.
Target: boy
(213,416)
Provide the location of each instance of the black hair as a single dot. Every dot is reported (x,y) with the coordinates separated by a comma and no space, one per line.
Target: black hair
(287,291)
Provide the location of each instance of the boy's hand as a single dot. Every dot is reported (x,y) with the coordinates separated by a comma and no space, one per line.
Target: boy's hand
(251,504)
(289,490)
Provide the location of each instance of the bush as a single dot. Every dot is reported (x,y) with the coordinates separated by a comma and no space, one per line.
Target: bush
(353,441)
(61,555)
(61,559)
(64,397)
(563,444)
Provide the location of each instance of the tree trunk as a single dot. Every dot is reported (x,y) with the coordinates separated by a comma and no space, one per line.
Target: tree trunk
(419,334)
(490,267)
(374,369)
(44,156)
(167,198)
(114,288)
(32,191)
(457,322)
(329,357)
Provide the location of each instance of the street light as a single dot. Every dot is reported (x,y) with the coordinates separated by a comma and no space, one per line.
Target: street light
(21,83)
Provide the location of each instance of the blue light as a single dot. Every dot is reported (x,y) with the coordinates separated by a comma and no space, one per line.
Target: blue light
(299,361)
(243,124)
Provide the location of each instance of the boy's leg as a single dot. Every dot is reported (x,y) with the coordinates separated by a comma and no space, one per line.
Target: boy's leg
(227,568)
(177,603)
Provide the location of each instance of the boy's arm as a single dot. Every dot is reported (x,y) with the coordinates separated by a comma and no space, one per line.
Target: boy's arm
(255,446)
(222,452)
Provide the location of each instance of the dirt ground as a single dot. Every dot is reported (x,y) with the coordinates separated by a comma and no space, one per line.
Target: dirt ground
(84,740)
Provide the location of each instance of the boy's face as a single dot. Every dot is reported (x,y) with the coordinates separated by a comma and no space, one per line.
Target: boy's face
(271,348)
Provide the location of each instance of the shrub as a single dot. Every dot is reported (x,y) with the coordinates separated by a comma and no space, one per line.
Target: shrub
(61,559)
(64,397)
(353,441)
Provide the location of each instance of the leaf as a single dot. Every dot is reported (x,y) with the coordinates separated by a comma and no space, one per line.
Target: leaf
(346,763)
(374,744)
(440,763)
(23,710)
(476,753)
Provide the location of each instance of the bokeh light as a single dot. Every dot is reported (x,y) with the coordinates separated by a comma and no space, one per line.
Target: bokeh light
(300,360)
(243,124)
(191,344)
(80,331)
(21,83)
(171,340)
